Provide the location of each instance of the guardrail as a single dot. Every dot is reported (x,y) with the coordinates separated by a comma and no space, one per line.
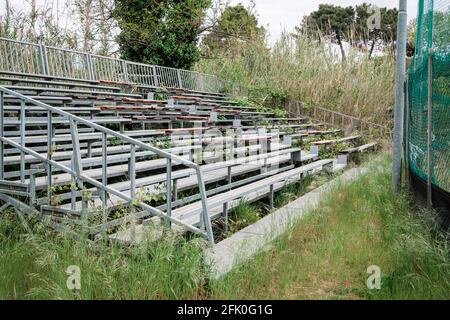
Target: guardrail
(76,169)
(38,59)
(342,120)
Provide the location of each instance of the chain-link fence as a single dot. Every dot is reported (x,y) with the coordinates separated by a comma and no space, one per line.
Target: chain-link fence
(428,96)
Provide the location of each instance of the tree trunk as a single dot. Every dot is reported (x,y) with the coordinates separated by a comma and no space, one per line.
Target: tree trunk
(338,37)
(371,48)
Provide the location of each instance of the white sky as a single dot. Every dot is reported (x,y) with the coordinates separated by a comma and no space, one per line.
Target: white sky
(276,15)
(281,15)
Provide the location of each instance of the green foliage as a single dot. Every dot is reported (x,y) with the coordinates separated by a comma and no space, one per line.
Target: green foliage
(303,69)
(236,23)
(160,32)
(327,253)
(351,23)
(243,215)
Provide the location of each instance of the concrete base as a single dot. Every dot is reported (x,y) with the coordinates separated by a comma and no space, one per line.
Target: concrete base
(242,245)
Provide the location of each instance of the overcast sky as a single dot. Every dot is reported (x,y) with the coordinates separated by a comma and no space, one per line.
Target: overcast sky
(281,15)
(275,15)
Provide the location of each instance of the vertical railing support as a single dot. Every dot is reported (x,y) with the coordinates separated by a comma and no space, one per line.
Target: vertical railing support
(2,133)
(90,67)
(155,75)
(77,165)
(225,217)
(49,154)
(169,188)
(104,180)
(180,82)
(132,173)
(22,141)
(204,218)
(44,59)
(125,71)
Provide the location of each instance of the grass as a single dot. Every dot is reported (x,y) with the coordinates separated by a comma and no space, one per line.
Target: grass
(324,256)
(327,254)
(301,69)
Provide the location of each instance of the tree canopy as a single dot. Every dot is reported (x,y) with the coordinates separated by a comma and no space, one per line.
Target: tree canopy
(350,24)
(162,32)
(235,24)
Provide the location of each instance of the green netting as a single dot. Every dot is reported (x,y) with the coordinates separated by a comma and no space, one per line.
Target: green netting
(433,32)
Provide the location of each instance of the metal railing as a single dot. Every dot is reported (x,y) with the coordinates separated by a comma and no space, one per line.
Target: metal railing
(38,59)
(342,120)
(76,169)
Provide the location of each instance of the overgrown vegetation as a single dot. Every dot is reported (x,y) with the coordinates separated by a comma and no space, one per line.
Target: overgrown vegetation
(300,68)
(325,255)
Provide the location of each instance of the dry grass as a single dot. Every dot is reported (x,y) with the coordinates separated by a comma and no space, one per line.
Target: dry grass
(305,70)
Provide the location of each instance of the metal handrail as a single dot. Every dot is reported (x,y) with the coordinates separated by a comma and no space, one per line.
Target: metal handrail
(313,114)
(54,61)
(106,132)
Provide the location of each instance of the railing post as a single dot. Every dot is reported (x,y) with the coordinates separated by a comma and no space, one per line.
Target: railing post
(169,188)
(104,180)
(180,82)
(125,71)
(155,75)
(49,153)
(44,59)
(204,218)
(77,165)
(90,67)
(22,141)
(132,173)
(2,134)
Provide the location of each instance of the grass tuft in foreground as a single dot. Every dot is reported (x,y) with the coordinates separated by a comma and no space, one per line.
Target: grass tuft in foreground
(324,256)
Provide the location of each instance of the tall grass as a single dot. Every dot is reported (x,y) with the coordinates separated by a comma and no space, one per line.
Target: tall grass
(34,267)
(306,70)
(325,255)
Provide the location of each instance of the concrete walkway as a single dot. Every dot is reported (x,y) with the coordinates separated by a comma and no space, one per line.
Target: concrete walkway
(242,245)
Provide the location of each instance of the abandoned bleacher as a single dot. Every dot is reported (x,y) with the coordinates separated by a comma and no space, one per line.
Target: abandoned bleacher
(109,144)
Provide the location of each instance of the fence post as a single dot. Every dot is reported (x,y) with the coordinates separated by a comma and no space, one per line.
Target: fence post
(399,99)
(90,68)
(155,75)
(125,71)
(180,82)
(406,133)
(430,128)
(44,59)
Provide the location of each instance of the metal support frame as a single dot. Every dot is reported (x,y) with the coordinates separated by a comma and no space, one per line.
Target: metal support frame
(2,145)
(77,170)
(65,63)
(22,140)
(399,96)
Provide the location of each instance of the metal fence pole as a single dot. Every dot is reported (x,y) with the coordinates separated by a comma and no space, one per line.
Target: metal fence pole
(399,97)
(430,128)
(406,144)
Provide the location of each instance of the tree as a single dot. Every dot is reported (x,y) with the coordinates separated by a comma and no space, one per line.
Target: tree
(162,32)
(350,24)
(331,20)
(235,24)
(387,32)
